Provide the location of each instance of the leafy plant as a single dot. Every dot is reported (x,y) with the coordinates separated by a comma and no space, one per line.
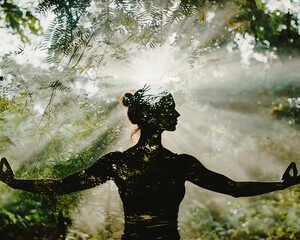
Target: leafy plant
(272,217)
(288,108)
(17,19)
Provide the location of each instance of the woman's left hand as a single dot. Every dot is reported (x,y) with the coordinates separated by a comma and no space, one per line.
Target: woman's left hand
(289,179)
(6,173)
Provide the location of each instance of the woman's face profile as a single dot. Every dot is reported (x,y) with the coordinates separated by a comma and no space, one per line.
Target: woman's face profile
(164,115)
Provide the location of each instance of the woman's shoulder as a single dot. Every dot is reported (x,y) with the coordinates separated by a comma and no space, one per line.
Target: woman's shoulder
(113,155)
(110,158)
(188,161)
(179,156)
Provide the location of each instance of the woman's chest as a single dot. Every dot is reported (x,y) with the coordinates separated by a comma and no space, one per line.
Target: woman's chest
(161,176)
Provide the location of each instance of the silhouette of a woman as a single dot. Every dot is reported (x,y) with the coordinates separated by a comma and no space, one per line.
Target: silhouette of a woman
(150,178)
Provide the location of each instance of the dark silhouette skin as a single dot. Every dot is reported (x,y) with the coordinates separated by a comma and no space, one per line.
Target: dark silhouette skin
(150,178)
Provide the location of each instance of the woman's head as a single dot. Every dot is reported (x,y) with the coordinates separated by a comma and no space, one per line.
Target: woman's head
(150,108)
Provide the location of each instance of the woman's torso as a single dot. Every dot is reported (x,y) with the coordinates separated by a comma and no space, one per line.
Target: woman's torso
(151,186)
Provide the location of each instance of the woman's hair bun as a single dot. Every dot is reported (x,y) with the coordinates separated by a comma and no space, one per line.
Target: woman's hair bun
(127,99)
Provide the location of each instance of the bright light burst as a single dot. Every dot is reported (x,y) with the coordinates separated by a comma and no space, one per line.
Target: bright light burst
(158,66)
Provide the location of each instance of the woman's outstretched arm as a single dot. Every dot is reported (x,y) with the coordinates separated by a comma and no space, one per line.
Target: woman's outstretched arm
(203,177)
(96,174)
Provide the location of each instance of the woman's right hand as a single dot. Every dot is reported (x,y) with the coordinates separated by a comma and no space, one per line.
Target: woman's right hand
(289,179)
(6,173)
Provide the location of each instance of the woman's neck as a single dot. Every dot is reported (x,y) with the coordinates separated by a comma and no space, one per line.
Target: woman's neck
(150,138)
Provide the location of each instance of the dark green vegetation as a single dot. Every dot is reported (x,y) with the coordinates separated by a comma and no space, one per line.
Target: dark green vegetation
(52,123)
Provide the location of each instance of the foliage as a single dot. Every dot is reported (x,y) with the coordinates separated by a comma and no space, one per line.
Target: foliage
(288,108)
(65,27)
(30,218)
(146,24)
(86,34)
(274,217)
(286,103)
(18,19)
(269,28)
